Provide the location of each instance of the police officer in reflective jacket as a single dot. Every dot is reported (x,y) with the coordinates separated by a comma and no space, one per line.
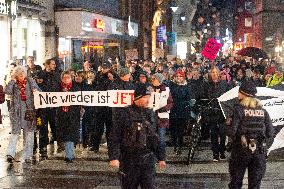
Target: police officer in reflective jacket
(251,127)
(133,143)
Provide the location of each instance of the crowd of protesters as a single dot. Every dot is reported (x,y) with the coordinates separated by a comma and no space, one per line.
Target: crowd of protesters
(181,80)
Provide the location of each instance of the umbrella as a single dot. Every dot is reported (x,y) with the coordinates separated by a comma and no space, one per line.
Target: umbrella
(272,100)
(253,52)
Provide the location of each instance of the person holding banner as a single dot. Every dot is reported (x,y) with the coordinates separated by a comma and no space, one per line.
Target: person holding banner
(214,88)
(68,119)
(21,89)
(251,126)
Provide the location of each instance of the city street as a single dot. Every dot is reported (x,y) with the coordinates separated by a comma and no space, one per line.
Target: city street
(96,94)
(91,170)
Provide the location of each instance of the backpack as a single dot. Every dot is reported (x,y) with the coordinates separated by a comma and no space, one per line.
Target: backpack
(141,134)
(2,95)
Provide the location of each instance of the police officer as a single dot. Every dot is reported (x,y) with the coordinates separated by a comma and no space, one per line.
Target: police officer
(251,126)
(133,143)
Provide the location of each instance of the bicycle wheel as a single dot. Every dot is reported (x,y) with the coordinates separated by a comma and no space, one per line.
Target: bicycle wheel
(193,141)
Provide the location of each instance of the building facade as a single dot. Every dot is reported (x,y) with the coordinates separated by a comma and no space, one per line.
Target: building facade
(269,27)
(85,35)
(103,30)
(23,25)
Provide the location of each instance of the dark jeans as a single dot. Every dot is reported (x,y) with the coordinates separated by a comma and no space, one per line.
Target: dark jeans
(162,137)
(101,120)
(256,165)
(88,127)
(43,137)
(177,127)
(217,131)
(138,172)
(205,130)
(49,117)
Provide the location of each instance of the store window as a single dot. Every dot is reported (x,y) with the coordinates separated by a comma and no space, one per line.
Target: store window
(4,46)
(27,40)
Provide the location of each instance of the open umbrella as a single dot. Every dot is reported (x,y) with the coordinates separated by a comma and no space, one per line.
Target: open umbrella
(253,52)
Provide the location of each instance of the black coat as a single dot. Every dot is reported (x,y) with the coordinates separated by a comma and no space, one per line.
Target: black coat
(121,85)
(51,81)
(197,87)
(246,122)
(68,123)
(121,121)
(212,92)
(102,83)
(181,95)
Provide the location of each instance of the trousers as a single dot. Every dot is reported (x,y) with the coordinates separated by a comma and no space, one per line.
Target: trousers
(28,145)
(256,165)
(137,172)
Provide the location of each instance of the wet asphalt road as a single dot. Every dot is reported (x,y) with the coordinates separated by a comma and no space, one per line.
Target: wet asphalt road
(91,170)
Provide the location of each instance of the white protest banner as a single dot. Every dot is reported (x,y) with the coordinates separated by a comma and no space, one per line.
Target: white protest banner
(275,108)
(112,98)
(272,101)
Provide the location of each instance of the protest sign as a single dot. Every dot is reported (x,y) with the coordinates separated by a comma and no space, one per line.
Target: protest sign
(211,49)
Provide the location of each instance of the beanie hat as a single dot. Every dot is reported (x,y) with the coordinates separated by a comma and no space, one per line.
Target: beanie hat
(140,91)
(159,77)
(123,72)
(248,88)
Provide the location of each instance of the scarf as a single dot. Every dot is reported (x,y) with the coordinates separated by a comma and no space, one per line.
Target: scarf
(22,86)
(65,87)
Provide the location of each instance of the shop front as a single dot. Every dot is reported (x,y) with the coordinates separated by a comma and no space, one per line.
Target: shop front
(8,11)
(27,40)
(4,45)
(93,37)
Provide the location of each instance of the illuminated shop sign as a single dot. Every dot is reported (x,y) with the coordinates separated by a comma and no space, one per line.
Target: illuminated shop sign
(8,7)
(99,24)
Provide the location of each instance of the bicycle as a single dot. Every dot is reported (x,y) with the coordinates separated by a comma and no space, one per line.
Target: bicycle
(195,135)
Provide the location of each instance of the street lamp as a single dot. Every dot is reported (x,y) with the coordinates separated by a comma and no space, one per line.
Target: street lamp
(173,5)
(182,16)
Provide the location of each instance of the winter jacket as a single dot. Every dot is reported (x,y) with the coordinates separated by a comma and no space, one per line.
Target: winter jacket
(212,92)
(121,85)
(123,119)
(68,123)
(34,71)
(181,95)
(51,81)
(253,123)
(18,107)
(272,81)
(197,87)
